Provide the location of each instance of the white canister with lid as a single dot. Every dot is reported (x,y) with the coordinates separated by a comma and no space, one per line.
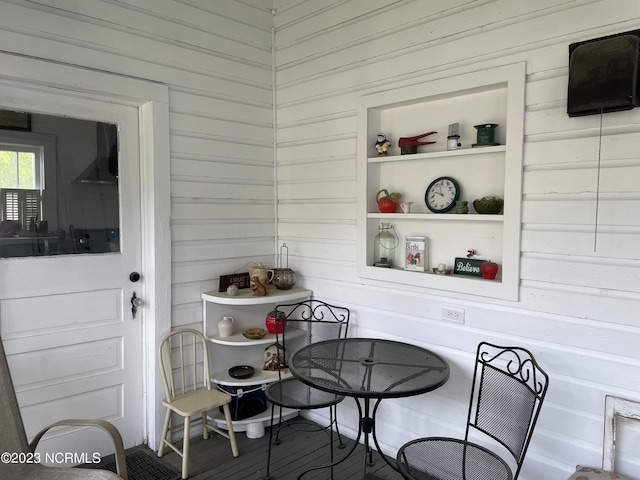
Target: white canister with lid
(225,326)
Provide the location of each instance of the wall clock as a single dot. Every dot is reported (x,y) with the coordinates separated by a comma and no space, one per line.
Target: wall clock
(442,194)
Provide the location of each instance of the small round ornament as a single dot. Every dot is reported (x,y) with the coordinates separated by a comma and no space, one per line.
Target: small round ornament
(232,290)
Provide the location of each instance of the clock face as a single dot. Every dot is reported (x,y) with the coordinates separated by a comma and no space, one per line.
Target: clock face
(442,194)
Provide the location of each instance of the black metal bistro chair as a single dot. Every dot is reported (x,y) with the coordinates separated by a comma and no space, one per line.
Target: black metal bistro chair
(506,396)
(298,325)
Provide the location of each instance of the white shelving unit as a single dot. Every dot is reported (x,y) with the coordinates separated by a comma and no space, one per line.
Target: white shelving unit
(248,312)
(487,96)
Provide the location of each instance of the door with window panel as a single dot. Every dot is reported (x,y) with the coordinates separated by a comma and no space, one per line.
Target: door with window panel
(73,345)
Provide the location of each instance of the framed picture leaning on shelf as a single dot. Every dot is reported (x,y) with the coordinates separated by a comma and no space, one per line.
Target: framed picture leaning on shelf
(274,359)
(415,255)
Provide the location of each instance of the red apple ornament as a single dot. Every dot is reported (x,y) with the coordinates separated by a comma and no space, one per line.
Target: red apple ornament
(489,270)
(388,203)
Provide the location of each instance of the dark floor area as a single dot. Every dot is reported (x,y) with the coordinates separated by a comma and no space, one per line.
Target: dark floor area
(298,450)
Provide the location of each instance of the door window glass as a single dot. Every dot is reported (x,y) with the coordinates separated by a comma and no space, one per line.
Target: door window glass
(58,186)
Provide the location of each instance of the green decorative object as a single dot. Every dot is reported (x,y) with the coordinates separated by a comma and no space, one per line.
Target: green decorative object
(488,205)
(486,135)
(461,206)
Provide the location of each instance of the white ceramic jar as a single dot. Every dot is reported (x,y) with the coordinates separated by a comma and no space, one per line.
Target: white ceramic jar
(225,326)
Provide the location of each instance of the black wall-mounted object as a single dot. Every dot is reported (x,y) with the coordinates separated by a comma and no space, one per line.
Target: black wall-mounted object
(604,74)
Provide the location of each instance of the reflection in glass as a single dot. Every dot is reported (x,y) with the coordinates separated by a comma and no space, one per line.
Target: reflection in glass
(58,186)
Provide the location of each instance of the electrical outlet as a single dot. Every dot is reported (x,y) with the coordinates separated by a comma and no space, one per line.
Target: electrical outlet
(453,314)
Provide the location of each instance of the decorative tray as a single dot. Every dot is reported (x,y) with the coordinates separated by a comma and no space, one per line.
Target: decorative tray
(254,333)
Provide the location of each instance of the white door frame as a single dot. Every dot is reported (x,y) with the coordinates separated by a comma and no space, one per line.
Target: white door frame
(152,101)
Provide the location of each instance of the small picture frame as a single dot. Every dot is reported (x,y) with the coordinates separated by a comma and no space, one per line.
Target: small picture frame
(274,359)
(469,267)
(240,280)
(415,256)
(10,120)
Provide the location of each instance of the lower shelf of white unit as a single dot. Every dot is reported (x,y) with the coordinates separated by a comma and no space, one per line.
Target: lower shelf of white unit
(258,378)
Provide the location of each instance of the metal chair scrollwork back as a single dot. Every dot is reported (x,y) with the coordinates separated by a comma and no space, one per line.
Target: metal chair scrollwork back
(507,393)
(300,324)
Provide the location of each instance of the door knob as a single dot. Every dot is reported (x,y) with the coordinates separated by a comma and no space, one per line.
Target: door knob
(134,276)
(135,303)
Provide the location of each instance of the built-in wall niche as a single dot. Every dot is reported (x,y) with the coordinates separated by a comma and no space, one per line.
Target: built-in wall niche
(489,96)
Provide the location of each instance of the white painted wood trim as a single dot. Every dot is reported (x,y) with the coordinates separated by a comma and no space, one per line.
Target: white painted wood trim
(615,407)
(152,100)
(156,253)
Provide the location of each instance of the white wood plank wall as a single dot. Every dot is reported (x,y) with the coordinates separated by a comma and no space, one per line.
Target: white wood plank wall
(578,304)
(580,292)
(216,59)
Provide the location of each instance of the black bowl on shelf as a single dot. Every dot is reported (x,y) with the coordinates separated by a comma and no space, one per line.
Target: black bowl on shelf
(241,371)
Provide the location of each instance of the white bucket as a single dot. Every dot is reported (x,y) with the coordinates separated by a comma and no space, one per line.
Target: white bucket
(255,430)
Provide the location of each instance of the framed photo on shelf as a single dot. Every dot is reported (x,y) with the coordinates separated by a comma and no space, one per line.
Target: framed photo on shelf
(274,360)
(415,255)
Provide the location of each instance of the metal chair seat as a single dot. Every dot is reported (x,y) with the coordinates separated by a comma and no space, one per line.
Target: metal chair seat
(292,393)
(440,458)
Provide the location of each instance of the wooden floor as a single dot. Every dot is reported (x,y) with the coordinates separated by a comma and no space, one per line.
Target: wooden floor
(298,450)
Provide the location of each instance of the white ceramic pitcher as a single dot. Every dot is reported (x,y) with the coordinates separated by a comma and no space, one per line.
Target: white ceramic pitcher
(264,275)
(225,326)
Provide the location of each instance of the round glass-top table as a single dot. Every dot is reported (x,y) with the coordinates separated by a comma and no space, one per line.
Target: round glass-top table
(369,368)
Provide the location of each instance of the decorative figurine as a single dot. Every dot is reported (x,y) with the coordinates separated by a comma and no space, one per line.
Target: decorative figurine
(382,145)
(274,359)
(260,287)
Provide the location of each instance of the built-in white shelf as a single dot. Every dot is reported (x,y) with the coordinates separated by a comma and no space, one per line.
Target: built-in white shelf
(248,311)
(437,155)
(494,95)
(245,296)
(437,217)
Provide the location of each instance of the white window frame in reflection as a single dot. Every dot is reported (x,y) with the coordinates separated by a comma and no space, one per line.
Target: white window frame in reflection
(45,172)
